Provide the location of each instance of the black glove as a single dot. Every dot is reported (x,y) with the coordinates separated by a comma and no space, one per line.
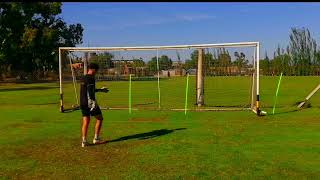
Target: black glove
(104,89)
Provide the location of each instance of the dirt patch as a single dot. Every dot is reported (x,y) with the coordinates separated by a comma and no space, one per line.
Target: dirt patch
(55,150)
(57,158)
(34,120)
(22,125)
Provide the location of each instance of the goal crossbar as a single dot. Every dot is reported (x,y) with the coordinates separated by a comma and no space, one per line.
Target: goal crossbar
(173,47)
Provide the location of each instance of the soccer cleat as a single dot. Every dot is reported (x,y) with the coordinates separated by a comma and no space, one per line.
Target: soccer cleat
(97,141)
(84,143)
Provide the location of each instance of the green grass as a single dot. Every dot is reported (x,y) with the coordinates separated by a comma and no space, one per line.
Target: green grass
(39,142)
(219,92)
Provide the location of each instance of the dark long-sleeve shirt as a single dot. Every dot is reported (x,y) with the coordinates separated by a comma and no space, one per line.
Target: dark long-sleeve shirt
(87,90)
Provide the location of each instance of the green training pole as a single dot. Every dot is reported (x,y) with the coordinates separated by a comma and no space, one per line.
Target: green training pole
(159,94)
(186,101)
(130,94)
(275,99)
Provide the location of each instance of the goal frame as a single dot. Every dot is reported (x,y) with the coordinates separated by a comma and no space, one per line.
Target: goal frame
(256,45)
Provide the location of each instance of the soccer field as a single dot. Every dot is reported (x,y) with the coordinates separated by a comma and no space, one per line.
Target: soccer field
(39,142)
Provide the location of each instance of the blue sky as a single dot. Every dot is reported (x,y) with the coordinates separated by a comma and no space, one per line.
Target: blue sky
(139,24)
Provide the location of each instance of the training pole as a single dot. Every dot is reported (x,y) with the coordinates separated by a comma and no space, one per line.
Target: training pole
(186,101)
(159,95)
(275,100)
(130,94)
(309,96)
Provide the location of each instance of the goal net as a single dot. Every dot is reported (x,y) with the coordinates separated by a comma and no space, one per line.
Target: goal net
(182,77)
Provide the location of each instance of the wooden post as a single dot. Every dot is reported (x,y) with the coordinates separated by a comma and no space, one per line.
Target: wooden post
(309,96)
(200,82)
(60,79)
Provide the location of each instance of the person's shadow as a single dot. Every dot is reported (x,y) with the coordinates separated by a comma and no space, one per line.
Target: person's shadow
(143,136)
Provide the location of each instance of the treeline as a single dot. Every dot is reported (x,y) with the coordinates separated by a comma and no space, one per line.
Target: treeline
(30,35)
(219,58)
(107,60)
(300,58)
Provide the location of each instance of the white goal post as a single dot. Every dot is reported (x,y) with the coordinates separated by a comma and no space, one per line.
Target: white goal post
(255,83)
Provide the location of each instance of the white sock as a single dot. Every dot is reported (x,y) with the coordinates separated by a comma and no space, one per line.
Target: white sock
(96,136)
(84,139)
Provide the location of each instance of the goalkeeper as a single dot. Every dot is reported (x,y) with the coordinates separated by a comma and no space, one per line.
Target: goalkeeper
(88,104)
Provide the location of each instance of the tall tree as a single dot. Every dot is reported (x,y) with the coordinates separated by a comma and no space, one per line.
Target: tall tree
(138,62)
(265,65)
(104,60)
(240,61)
(224,60)
(302,50)
(209,62)
(192,63)
(31,34)
(165,63)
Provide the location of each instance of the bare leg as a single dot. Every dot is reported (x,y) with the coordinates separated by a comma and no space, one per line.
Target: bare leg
(98,125)
(85,125)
